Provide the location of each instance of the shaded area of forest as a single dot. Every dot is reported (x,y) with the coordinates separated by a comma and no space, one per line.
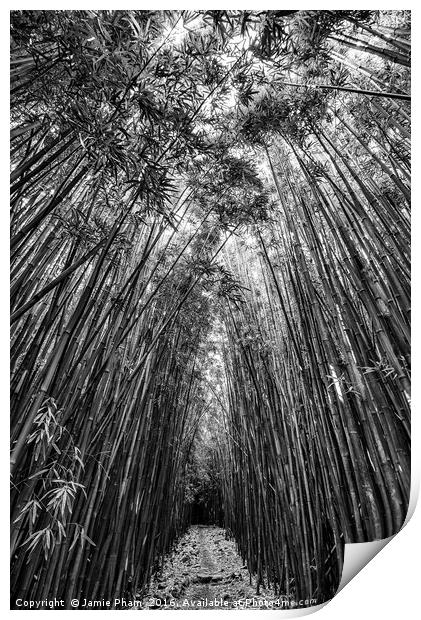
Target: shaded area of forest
(210,228)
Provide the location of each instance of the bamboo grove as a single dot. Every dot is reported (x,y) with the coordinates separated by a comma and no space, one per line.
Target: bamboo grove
(210,219)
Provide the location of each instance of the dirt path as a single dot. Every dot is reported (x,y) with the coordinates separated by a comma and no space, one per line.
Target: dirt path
(205,572)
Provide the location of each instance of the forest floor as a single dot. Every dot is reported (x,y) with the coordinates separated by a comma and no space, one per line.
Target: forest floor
(205,571)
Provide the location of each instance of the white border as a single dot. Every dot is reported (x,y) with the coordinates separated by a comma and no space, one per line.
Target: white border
(389,584)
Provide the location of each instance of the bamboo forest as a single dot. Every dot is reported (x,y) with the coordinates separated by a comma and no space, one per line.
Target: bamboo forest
(210,283)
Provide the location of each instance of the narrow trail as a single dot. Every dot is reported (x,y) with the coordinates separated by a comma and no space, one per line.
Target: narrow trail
(205,571)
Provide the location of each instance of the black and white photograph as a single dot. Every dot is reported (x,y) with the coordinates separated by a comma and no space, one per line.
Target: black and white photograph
(210,303)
